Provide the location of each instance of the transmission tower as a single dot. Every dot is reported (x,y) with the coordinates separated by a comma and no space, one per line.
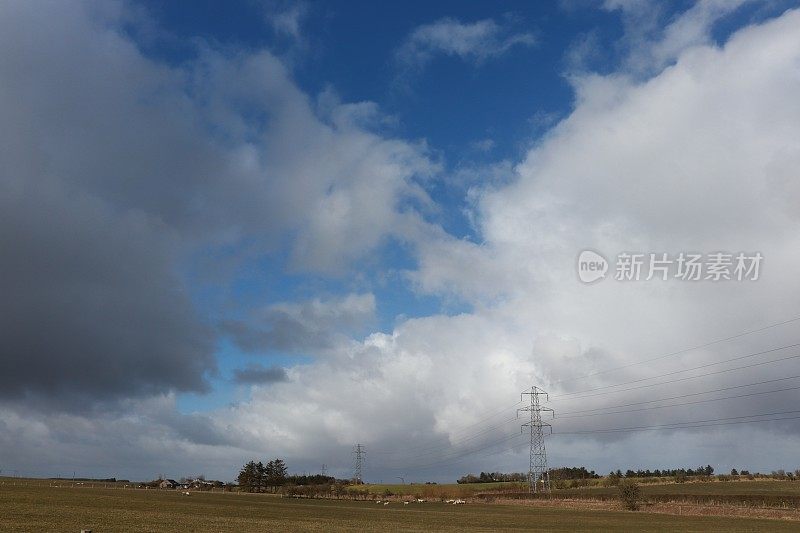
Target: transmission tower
(538,474)
(358,462)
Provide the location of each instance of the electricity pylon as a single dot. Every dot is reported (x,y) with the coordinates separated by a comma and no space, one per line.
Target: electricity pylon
(538,474)
(358,462)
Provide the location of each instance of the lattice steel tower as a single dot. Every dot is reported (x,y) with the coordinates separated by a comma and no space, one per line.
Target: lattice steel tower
(359,453)
(538,474)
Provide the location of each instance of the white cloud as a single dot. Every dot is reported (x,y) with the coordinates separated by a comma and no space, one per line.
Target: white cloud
(652,46)
(287,19)
(473,42)
(696,158)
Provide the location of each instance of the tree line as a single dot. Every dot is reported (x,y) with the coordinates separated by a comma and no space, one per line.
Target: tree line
(707,470)
(565,472)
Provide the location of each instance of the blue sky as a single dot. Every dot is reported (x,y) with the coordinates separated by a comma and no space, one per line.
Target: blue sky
(470,112)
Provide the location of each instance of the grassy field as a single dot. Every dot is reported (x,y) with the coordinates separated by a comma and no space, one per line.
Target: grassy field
(765,493)
(64,509)
(453,490)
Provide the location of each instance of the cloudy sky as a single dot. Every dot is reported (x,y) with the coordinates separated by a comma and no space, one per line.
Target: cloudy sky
(276,229)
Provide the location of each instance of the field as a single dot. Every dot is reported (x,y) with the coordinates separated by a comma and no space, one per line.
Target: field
(753,493)
(39,507)
(441,490)
(764,493)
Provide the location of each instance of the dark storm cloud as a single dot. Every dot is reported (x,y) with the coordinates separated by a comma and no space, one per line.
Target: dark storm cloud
(259,375)
(114,168)
(90,306)
(92,204)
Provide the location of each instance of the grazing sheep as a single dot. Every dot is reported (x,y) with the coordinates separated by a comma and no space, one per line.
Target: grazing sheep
(186,493)
(405,503)
(385,503)
(419,500)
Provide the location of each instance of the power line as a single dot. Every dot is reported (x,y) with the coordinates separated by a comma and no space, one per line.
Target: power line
(568,398)
(691,424)
(432,449)
(491,428)
(457,454)
(707,365)
(673,426)
(695,402)
(679,352)
(460,456)
(688,378)
(680,396)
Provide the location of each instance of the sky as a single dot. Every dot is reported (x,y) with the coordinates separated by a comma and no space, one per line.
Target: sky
(259,229)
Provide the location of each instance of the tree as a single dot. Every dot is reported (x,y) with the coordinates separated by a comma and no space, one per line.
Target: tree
(275,473)
(630,494)
(280,471)
(248,477)
(260,477)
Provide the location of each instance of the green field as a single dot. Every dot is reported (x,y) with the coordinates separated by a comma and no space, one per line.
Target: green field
(64,509)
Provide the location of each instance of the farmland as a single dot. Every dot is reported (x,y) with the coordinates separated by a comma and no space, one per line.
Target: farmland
(40,507)
(753,493)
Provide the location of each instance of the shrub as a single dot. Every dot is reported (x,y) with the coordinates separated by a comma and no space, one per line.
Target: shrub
(681,477)
(630,494)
